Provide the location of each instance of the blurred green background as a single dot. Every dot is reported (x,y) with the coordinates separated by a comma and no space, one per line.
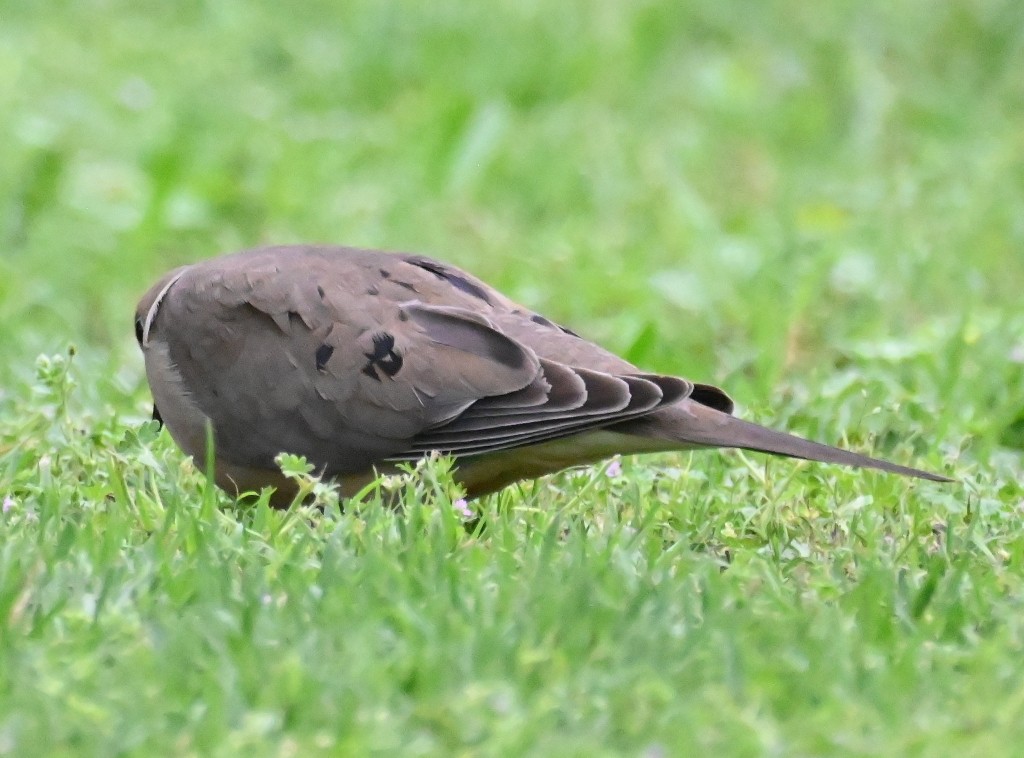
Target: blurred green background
(742,193)
(818,206)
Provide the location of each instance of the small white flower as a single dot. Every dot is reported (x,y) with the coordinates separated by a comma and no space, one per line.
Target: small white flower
(9,503)
(613,469)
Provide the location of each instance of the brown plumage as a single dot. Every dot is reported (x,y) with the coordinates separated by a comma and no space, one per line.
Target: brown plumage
(360,359)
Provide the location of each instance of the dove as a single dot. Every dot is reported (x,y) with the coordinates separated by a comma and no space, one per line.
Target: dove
(361,360)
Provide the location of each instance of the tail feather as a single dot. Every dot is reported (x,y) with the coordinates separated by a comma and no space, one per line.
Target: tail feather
(696,424)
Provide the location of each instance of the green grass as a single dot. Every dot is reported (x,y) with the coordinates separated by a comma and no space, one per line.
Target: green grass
(818,207)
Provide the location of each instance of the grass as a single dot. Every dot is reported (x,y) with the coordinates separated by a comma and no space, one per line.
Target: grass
(816,207)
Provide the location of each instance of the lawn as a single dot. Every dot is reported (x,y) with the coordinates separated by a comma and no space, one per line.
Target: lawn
(819,207)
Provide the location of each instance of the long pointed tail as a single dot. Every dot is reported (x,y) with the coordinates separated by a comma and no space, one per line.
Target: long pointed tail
(695,424)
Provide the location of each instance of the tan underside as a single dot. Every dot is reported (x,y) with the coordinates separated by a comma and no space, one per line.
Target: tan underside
(490,473)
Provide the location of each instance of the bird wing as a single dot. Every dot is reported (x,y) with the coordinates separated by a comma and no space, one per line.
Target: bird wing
(354,358)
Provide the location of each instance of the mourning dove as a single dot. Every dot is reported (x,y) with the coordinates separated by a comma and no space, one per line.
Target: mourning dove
(360,360)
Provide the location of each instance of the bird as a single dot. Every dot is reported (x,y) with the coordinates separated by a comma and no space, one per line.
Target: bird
(361,360)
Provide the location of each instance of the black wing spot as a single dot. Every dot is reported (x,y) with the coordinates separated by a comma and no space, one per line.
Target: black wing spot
(538,319)
(383,343)
(713,397)
(323,354)
(372,291)
(392,365)
(383,357)
(470,288)
(385,273)
(320,291)
(458,281)
(406,285)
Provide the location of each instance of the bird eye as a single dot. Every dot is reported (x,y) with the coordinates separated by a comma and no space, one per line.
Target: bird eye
(138,330)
